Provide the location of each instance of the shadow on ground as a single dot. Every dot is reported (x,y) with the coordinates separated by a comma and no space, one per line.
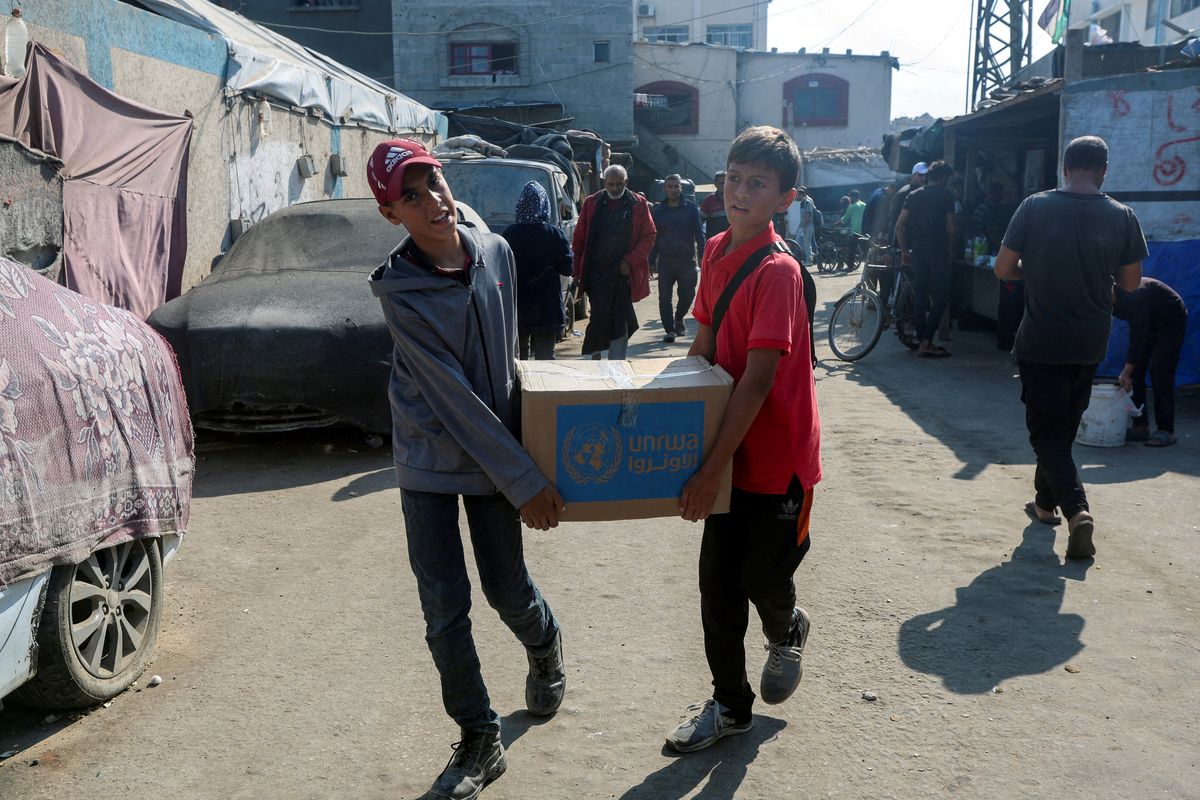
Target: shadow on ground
(971,403)
(229,464)
(721,768)
(1007,622)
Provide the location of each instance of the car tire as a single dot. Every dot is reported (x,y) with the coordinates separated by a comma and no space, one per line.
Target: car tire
(75,669)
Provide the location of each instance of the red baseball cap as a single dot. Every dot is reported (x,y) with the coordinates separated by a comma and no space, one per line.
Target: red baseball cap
(385,169)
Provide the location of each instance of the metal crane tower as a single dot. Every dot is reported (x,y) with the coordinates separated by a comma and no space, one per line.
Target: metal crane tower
(1001,45)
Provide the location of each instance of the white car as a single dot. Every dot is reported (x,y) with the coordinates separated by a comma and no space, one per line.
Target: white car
(96,466)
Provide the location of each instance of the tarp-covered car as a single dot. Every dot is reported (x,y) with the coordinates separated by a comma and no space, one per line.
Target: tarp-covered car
(285,334)
(96,466)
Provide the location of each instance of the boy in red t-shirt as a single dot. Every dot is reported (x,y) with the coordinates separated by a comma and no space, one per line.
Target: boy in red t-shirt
(771,433)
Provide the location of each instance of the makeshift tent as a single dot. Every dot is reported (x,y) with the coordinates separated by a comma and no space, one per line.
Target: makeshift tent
(1176,264)
(124,180)
(263,62)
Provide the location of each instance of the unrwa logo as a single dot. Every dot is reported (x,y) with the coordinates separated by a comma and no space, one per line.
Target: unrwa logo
(592,453)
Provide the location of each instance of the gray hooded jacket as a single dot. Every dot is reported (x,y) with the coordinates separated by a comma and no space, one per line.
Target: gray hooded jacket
(455,413)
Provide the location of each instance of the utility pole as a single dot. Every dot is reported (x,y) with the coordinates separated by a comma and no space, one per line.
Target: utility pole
(1002,44)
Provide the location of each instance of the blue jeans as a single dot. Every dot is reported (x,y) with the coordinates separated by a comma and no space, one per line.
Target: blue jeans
(435,553)
(617,350)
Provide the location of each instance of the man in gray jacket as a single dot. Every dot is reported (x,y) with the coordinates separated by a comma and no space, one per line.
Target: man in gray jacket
(448,294)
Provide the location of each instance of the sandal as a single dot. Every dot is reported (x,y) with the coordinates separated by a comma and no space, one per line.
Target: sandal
(1160,439)
(1032,510)
(1136,434)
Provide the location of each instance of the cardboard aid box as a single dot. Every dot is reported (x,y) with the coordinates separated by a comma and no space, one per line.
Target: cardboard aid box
(619,439)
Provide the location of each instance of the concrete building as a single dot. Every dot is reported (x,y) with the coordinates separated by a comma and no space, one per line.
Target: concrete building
(572,54)
(692,100)
(246,147)
(366,47)
(729,23)
(1146,22)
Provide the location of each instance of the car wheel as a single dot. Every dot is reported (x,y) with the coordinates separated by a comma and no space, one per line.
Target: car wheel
(98,627)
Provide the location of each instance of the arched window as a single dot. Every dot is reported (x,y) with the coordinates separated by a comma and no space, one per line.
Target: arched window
(817,100)
(668,107)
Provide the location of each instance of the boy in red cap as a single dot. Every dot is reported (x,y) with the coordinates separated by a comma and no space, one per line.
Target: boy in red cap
(448,293)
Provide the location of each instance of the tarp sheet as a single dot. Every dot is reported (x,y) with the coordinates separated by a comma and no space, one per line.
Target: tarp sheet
(265,62)
(95,439)
(125,179)
(1176,264)
(844,168)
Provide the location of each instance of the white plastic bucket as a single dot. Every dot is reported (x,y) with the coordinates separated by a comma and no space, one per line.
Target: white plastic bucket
(1106,418)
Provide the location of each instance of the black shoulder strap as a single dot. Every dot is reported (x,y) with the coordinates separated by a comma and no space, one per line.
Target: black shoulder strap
(752,263)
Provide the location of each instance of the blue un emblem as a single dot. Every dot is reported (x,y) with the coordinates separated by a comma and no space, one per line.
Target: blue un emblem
(591,453)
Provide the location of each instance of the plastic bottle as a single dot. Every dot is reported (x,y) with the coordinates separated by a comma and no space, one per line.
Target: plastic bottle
(16,41)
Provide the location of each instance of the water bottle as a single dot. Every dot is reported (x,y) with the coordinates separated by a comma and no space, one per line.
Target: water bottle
(16,40)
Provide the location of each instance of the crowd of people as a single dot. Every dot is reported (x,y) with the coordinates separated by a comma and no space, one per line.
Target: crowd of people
(456,299)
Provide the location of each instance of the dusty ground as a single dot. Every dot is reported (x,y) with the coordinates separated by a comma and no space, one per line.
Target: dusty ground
(294,664)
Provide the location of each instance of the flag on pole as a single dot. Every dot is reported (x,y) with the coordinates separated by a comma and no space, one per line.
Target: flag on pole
(1054,19)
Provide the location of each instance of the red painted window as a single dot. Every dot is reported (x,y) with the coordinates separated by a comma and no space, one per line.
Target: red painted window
(668,107)
(483,58)
(817,100)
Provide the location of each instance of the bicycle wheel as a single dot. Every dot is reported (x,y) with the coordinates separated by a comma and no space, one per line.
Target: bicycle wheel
(856,323)
(904,317)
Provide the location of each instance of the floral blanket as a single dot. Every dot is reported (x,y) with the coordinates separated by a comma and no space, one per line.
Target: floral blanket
(95,438)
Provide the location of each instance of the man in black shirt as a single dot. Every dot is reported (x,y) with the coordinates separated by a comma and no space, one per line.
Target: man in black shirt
(1072,244)
(1157,318)
(924,232)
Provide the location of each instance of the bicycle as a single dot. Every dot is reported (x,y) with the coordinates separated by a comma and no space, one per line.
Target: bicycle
(860,316)
(839,249)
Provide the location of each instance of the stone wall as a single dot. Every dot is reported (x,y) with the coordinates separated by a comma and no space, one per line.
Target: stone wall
(31,208)
(555,56)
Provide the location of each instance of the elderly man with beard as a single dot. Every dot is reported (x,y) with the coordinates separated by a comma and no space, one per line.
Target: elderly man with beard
(612,246)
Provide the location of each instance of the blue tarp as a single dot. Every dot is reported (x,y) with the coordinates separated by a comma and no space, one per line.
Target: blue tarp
(1176,264)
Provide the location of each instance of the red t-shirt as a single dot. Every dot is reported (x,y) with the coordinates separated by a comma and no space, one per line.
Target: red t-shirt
(767,312)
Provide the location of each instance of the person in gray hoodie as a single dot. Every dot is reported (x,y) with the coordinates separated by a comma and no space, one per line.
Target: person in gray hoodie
(448,294)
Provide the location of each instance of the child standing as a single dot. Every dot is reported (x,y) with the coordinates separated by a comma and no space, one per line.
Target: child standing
(447,294)
(759,332)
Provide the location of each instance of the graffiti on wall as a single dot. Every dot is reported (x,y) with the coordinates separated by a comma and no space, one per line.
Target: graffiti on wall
(1169,163)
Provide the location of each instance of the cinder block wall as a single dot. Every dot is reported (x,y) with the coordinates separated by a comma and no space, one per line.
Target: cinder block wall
(555,55)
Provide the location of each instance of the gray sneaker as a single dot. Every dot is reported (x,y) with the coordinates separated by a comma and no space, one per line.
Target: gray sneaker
(477,761)
(546,683)
(785,666)
(710,724)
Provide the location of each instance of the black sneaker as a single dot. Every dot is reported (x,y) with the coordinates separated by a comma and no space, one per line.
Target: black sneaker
(681,328)
(547,680)
(669,337)
(477,761)
(785,665)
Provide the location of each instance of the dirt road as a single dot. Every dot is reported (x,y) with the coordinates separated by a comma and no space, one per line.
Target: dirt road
(294,664)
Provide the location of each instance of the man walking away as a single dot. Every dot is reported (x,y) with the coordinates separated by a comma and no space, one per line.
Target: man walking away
(1157,318)
(679,238)
(1073,243)
(926,225)
(712,210)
